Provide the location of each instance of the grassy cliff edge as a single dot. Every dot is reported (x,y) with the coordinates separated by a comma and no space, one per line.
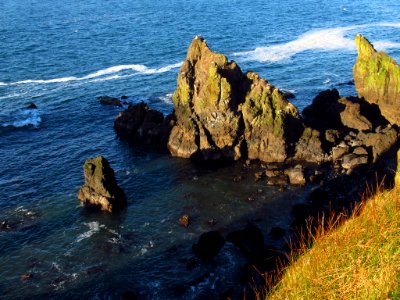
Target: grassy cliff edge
(358,260)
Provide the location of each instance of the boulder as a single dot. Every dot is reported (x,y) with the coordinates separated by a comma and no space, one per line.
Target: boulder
(377,79)
(351,116)
(296,175)
(140,124)
(351,161)
(107,100)
(339,151)
(324,111)
(380,142)
(309,147)
(220,111)
(209,244)
(100,189)
(250,240)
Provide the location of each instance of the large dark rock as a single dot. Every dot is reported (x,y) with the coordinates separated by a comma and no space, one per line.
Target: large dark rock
(208,245)
(142,125)
(223,113)
(101,189)
(377,79)
(250,241)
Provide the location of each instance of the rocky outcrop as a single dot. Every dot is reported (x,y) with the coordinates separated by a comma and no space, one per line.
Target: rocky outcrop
(100,189)
(377,79)
(142,125)
(223,113)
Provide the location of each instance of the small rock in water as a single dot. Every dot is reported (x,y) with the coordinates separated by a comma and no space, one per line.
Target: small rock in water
(259,175)
(129,295)
(212,222)
(238,178)
(124,97)
(26,277)
(184,221)
(277,233)
(5,225)
(107,100)
(32,106)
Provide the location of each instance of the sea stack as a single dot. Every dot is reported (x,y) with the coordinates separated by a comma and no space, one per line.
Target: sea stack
(377,79)
(224,113)
(100,189)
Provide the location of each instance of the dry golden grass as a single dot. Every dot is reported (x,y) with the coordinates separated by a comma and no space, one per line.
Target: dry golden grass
(358,259)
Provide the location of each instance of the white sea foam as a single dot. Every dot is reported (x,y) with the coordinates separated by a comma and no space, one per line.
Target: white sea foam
(110,72)
(94,227)
(329,39)
(25,117)
(167,98)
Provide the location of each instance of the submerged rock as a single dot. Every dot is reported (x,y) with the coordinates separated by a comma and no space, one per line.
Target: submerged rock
(100,189)
(377,79)
(223,113)
(208,245)
(250,241)
(107,100)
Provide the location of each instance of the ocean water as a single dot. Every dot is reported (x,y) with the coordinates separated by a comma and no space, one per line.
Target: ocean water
(62,55)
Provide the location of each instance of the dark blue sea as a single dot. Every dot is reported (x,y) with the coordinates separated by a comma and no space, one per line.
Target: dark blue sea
(62,55)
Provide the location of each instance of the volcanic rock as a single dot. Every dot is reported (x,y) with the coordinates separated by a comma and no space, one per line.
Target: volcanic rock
(377,79)
(100,189)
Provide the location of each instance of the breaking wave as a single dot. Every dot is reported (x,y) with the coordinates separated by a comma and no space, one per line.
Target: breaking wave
(101,75)
(329,39)
(22,118)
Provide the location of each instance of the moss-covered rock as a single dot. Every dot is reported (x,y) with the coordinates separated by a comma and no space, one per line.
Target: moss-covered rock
(377,79)
(267,115)
(101,189)
(219,110)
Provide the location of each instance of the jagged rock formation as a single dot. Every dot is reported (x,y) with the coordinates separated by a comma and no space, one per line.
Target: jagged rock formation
(101,189)
(223,113)
(143,125)
(377,79)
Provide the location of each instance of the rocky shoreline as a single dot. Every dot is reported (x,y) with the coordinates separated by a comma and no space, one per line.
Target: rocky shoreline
(340,145)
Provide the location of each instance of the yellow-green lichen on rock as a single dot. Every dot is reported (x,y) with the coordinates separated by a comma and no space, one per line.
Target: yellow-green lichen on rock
(219,109)
(265,112)
(377,79)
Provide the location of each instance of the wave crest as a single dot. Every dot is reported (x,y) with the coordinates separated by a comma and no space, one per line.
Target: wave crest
(101,75)
(316,40)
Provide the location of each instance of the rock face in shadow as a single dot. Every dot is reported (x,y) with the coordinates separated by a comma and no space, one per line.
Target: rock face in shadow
(101,189)
(223,113)
(377,79)
(142,125)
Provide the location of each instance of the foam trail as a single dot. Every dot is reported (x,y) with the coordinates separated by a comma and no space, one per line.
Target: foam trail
(325,39)
(317,40)
(111,72)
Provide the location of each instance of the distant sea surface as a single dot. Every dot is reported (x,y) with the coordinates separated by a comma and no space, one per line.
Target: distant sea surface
(62,55)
